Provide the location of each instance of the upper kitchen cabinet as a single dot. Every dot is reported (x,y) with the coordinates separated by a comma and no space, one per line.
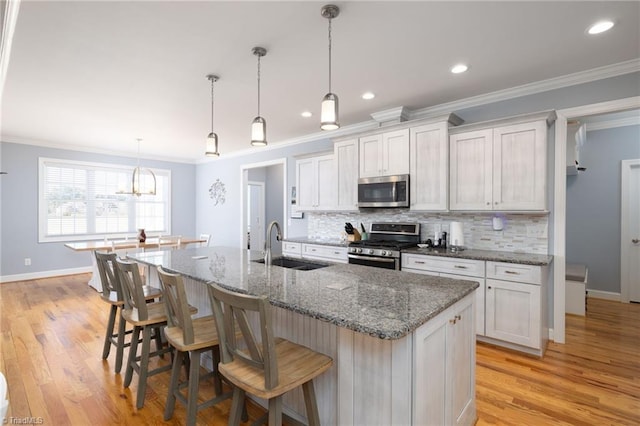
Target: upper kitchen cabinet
(385,154)
(502,167)
(429,164)
(315,179)
(345,161)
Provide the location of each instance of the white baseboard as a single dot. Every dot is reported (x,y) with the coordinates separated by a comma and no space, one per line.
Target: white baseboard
(44,274)
(607,295)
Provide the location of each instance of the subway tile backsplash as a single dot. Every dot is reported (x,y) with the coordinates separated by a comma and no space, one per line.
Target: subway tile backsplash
(521,232)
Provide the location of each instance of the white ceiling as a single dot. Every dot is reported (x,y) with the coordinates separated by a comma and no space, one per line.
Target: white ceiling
(100,74)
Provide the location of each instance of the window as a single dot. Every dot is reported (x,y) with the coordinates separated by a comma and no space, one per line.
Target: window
(79,201)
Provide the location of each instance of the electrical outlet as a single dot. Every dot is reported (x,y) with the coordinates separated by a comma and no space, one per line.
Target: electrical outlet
(27,261)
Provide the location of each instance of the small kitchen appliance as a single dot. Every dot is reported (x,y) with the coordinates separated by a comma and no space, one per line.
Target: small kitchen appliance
(385,243)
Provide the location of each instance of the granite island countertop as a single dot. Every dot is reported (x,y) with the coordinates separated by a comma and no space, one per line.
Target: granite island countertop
(378,302)
(487,255)
(336,242)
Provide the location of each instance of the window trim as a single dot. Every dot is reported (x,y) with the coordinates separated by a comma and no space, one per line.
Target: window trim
(42,205)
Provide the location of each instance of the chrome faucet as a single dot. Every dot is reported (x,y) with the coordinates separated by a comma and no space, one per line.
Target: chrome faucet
(267,241)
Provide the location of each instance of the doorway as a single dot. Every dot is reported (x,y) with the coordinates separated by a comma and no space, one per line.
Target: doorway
(269,179)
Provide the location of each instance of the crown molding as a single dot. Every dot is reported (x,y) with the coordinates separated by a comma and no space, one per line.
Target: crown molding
(611,124)
(581,77)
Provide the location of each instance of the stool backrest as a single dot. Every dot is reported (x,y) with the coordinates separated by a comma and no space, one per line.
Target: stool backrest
(108,276)
(206,238)
(131,284)
(230,311)
(176,305)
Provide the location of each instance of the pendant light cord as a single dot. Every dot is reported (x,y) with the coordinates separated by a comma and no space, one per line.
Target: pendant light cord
(329,55)
(259,85)
(212,105)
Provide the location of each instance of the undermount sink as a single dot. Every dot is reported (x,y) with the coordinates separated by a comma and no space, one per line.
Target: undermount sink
(300,265)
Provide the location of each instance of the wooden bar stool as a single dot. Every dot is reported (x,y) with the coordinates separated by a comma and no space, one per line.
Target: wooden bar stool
(267,369)
(191,338)
(112,294)
(145,319)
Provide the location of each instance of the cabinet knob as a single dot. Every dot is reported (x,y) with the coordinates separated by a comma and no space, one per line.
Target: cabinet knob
(489,287)
(488,203)
(452,321)
(635,241)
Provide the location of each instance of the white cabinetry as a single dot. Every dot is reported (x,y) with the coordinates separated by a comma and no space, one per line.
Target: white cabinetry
(315,178)
(444,367)
(461,269)
(322,252)
(346,174)
(291,249)
(515,300)
(429,157)
(499,168)
(384,154)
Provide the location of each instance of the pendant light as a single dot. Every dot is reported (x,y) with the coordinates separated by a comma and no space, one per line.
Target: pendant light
(259,125)
(329,109)
(140,180)
(212,139)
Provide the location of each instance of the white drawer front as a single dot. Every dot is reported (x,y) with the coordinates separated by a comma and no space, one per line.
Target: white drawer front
(515,272)
(472,268)
(314,251)
(292,249)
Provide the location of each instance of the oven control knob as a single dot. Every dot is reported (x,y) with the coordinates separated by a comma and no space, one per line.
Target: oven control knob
(358,250)
(383,253)
(370,251)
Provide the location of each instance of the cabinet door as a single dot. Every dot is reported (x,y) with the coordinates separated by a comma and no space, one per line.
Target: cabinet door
(395,152)
(479,300)
(470,170)
(461,369)
(305,178)
(513,312)
(429,167)
(325,183)
(520,166)
(346,171)
(370,156)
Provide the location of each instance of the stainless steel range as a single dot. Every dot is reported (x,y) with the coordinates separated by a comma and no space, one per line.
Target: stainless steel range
(385,243)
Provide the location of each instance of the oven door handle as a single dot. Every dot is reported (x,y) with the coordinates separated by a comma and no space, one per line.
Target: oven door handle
(374,259)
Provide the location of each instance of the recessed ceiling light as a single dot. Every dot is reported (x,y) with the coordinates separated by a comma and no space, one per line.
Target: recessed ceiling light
(306,114)
(460,68)
(368,95)
(600,27)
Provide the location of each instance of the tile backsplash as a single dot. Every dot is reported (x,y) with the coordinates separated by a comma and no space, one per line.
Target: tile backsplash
(521,232)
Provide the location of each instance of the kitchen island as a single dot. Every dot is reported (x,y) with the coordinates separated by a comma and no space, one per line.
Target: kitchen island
(403,344)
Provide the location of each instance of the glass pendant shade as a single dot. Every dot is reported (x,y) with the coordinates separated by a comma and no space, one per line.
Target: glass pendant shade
(212,146)
(329,112)
(259,132)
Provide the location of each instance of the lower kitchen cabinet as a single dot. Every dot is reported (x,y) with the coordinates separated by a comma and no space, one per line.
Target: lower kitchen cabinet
(480,300)
(290,249)
(445,366)
(320,252)
(513,312)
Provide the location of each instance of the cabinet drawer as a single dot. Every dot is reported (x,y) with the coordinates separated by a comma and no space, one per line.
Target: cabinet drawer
(292,249)
(472,268)
(314,251)
(515,272)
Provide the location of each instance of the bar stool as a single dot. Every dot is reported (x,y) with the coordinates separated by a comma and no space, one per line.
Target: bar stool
(267,369)
(191,338)
(112,294)
(145,319)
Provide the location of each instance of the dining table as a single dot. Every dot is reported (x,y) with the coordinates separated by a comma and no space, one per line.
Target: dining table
(124,247)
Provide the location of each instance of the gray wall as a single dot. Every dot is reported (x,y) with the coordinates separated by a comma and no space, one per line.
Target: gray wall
(19,206)
(593,205)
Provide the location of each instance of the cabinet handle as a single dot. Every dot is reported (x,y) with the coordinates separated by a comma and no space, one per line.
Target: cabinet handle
(512,272)
(635,241)
(336,252)
(460,267)
(452,321)
(419,262)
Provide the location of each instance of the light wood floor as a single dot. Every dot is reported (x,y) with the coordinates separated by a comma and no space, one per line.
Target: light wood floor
(52,333)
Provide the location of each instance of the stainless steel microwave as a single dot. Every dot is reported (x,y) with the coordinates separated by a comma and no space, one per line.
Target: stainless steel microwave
(384,191)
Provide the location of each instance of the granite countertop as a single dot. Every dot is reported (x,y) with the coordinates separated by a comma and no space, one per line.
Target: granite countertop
(490,255)
(336,242)
(378,302)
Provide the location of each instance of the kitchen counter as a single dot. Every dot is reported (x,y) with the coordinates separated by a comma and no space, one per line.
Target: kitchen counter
(381,303)
(336,242)
(488,255)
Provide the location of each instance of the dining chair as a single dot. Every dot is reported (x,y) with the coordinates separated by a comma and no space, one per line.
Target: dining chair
(112,294)
(170,242)
(4,402)
(206,238)
(190,338)
(148,320)
(266,369)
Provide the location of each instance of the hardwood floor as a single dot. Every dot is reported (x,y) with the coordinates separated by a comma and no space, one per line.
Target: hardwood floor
(52,333)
